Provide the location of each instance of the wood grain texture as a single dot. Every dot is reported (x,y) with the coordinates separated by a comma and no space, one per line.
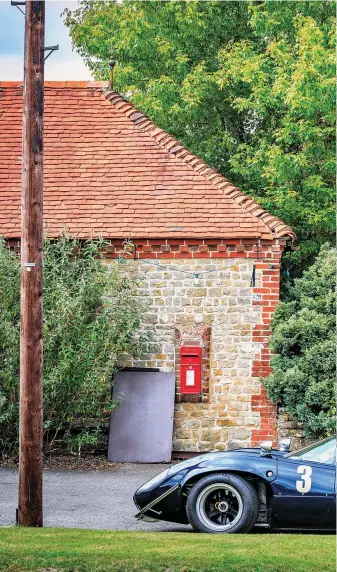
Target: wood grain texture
(31,359)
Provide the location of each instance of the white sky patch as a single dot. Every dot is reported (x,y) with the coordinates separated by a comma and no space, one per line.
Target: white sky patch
(73,69)
(62,65)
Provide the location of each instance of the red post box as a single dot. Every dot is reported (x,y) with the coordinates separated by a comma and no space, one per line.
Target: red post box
(190,369)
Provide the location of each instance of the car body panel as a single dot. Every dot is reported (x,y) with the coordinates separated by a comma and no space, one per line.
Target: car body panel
(239,462)
(314,509)
(281,482)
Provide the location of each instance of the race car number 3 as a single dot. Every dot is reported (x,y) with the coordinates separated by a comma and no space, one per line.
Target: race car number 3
(304,485)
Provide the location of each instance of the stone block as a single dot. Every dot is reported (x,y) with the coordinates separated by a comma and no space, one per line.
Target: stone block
(191,424)
(221,446)
(179,415)
(239,434)
(210,434)
(226,423)
(214,292)
(181,433)
(236,444)
(196,292)
(205,446)
(207,423)
(184,445)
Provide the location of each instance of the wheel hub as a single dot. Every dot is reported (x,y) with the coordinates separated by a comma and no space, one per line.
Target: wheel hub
(222,506)
(219,507)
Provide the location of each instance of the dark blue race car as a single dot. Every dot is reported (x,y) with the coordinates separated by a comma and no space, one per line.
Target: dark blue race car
(232,491)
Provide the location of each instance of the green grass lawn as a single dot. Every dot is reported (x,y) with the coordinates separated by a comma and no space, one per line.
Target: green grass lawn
(51,550)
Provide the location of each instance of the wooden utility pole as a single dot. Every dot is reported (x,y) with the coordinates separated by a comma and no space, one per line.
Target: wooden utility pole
(31,361)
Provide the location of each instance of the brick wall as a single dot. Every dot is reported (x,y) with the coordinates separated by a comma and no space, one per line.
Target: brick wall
(206,287)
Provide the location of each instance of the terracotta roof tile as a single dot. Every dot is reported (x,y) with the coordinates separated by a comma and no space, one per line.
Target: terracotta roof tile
(110,170)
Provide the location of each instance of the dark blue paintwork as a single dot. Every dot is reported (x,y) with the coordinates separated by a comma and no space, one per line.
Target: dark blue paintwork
(314,509)
(276,473)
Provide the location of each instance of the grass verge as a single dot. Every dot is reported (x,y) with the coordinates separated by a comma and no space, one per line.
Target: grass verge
(70,550)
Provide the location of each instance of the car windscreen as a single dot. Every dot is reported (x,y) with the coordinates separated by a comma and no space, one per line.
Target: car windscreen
(319,452)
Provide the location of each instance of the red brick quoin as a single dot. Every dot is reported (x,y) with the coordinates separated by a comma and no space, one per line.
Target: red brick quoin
(266,296)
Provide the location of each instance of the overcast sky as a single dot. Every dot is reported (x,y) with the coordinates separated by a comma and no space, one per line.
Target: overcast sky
(63,64)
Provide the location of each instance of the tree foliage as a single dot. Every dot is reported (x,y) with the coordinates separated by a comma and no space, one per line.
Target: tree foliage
(91,314)
(248,86)
(304,340)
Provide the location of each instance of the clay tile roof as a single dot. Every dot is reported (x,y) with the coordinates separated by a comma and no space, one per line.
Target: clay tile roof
(110,170)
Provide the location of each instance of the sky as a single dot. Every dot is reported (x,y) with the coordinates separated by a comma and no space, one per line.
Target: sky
(64,64)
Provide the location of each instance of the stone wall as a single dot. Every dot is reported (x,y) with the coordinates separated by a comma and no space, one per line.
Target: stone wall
(288,427)
(194,289)
(222,294)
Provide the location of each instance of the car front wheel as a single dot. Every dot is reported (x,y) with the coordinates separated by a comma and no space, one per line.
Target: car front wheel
(222,503)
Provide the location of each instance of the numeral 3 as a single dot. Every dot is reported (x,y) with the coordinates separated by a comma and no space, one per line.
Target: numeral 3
(304,485)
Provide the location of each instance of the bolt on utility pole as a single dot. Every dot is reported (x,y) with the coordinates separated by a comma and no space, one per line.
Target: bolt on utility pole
(31,357)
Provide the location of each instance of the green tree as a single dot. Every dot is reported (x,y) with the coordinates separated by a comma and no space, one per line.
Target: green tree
(304,341)
(248,86)
(287,81)
(91,313)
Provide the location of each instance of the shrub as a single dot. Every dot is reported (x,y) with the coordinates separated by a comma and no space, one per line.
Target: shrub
(304,341)
(91,313)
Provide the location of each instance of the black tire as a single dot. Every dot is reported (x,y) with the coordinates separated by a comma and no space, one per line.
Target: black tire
(210,508)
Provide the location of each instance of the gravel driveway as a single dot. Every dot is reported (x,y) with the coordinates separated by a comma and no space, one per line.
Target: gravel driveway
(87,499)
